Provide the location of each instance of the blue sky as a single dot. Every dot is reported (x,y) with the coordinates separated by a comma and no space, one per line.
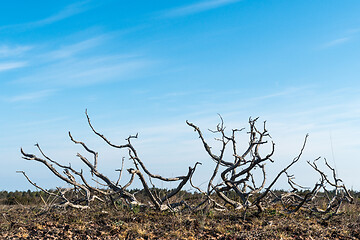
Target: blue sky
(147,66)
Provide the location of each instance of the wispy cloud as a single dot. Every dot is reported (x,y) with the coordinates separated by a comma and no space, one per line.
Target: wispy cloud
(197,7)
(42,122)
(78,62)
(80,72)
(336,42)
(70,50)
(353,30)
(11,51)
(5,66)
(67,12)
(283,93)
(31,96)
(179,94)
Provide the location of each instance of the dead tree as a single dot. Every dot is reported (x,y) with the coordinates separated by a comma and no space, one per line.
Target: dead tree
(236,174)
(238,180)
(324,199)
(86,193)
(240,189)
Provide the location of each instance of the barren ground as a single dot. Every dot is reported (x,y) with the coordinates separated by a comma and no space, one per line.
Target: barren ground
(31,222)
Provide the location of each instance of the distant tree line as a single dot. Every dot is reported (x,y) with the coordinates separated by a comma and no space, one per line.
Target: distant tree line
(35,197)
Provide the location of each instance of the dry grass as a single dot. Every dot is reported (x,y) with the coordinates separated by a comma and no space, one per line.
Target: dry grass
(32,223)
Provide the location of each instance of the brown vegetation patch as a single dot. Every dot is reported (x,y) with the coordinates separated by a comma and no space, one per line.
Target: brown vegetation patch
(32,222)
